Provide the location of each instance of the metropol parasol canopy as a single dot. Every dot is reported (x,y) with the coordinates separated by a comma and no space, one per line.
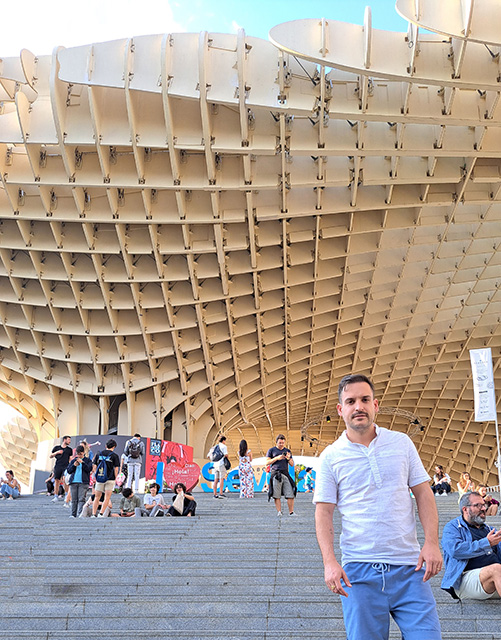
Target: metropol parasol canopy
(202,233)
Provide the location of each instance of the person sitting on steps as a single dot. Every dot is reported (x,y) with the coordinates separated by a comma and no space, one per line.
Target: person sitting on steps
(441,481)
(184,502)
(130,505)
(10,489)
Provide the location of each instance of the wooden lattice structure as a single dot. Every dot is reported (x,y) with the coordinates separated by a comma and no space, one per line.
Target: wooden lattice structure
(202,233)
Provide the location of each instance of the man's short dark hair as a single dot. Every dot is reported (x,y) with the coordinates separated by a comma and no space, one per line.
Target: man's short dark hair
(155,484)
(137,435)
(222,438)
(465,500)
(80,449)
(280,437)
(127,492)
(352,378)
(111,444)
(66,437)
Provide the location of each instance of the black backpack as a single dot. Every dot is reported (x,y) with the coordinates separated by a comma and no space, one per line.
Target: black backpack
(102,467)
(216,454)
(134,449)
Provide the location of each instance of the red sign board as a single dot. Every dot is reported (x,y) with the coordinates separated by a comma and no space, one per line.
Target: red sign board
(177,459)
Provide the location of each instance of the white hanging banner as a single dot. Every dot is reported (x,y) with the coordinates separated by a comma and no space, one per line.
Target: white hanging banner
(483,385)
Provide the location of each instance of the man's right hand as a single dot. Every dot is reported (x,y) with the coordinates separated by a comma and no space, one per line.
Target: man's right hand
(333,575)
(494,537)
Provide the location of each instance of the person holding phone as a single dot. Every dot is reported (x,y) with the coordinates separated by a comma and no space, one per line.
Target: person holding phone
(79,470)
(10,489)
(472,554)
(281,483)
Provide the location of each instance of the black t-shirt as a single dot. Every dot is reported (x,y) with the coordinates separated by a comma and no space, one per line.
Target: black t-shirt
(483,560)
(279,465)
(63,460)
(113,462)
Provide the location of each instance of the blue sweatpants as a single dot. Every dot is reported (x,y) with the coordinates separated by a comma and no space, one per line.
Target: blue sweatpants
(380,590)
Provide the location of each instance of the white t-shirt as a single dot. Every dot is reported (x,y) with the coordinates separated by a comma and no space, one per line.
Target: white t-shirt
(224,451)
(370,486)
(153,500)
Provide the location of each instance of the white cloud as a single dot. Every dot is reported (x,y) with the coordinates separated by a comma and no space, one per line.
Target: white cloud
(235,26)
(40,27)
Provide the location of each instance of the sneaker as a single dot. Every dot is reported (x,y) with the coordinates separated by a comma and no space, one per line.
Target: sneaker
(54,499)
(100,515)
(66,505)
(293,514)
(279,514)
(73,517)
(93,516)
(10,498)
(221,495)
(216,497)
(2,497)
(60,497)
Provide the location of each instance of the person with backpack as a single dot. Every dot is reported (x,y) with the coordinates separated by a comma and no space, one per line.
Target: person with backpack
(217,455)
(134,450)
(105,467)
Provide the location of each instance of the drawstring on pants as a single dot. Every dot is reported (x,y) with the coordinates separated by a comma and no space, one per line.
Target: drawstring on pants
(381,567)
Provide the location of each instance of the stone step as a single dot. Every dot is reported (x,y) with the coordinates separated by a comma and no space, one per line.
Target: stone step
(160,574)
(197,634)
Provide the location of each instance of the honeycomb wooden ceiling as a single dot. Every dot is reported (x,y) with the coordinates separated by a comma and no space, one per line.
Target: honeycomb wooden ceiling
(237,224)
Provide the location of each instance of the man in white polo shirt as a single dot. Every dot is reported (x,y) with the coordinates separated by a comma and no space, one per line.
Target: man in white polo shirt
(367,474)
(219,470)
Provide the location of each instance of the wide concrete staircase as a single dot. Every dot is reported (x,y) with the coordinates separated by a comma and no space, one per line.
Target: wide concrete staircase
(234,572)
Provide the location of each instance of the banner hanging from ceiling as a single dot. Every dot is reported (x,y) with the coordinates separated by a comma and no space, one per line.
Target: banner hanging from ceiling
(483,385)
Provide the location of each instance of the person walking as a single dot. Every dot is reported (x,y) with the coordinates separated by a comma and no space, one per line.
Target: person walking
(105,468)
(280,483)
(134,450)
(62,453)
(383,570)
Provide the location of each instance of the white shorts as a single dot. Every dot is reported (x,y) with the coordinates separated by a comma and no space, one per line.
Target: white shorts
(109,485)
(219,472)
(471,587)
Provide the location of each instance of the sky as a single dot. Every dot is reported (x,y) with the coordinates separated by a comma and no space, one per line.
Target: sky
(42,25)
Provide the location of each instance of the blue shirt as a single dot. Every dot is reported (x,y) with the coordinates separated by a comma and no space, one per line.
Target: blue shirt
(477,562)
(459,547)
(77,478)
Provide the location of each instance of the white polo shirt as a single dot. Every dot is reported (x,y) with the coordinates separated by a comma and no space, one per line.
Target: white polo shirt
(370,486)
